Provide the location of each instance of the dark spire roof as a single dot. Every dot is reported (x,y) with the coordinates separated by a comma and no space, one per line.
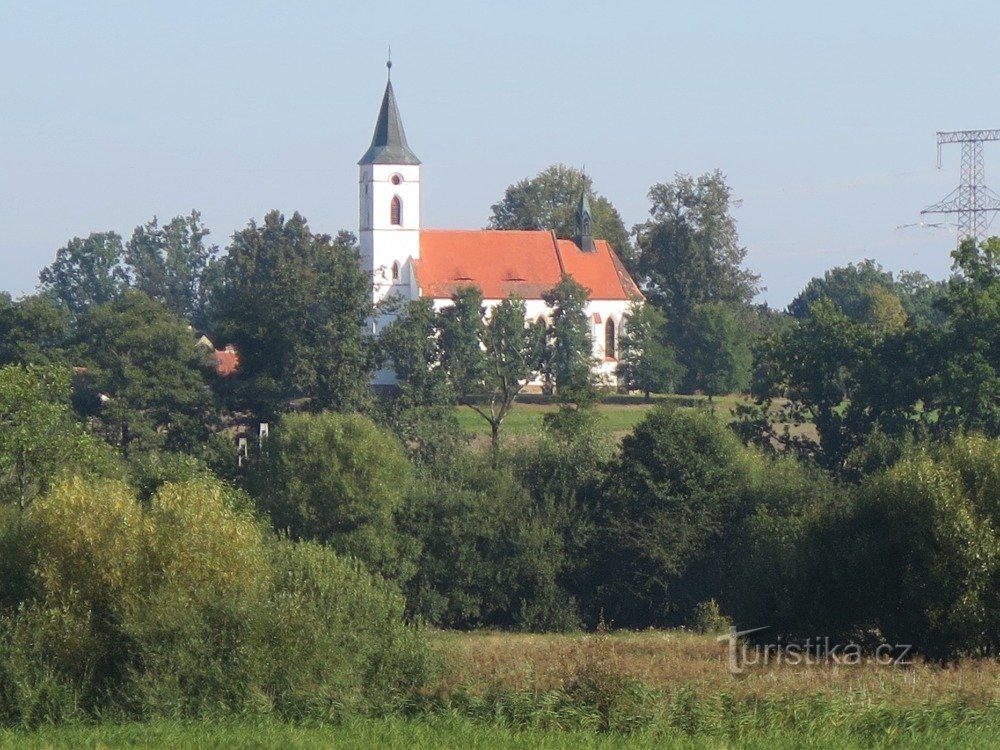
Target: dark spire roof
(584,224)
(389,142)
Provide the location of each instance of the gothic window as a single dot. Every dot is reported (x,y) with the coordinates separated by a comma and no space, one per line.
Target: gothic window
(396,211)
(609,340)
(395,271)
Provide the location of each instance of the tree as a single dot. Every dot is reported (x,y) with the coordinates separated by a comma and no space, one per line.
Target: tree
(39,437)
(815,366)
(882,311)
(719,357)
(646,362)
(570,360)
(674,489)
(295,305)
(689,251)
(86,272)
(845,286)
(920,296)
(336,479)
(549,201)
(169,264)
(411,345)
(146,373)
(488,362)
(33,330)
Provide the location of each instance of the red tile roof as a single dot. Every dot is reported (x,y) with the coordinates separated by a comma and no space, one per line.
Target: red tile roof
(525,263)
(227,361)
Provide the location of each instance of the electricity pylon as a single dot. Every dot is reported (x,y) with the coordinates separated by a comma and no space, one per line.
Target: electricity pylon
(971,200)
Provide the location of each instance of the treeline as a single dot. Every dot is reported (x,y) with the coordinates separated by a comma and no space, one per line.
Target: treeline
(123,504)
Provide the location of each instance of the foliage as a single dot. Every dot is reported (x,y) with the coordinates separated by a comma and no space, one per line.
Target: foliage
(718,354)
(569,359)
(929,525)
(170,263)
(549,201)
(145,375)
(689,251)
(845,287)
(882,311)
(295,305)
(672,491)
(337,479)
(33,330)
(86,272)
(646,361)
(488,363)
(489,556)
(186,608)
(39,437)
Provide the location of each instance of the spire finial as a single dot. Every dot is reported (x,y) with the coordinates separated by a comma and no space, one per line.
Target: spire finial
(388,63)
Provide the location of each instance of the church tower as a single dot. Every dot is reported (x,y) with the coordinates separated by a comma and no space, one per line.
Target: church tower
(390,205)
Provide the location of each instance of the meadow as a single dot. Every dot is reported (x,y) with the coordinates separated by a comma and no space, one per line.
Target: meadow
(616,415)
(667,689)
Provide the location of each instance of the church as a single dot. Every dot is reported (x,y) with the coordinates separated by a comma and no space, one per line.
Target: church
(410,262)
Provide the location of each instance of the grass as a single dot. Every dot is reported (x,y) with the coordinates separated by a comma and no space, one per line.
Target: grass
(667,689)
(456,732)
(617,415)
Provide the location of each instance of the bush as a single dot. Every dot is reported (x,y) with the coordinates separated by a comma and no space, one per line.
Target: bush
(188,607)
(665,503)
(488,556)
(337,479)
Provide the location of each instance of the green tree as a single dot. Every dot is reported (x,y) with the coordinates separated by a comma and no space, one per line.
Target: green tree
(295,305)
(570,359)
(920,296)
(33,330)
(718,347)
(39,437)
(845,286)
(169,264)
(815,367)
(411,346)
(674,488)
(549,201)
(689,251)
(882,311)
(929,549)
(488,362)
(86,272)
(646,362)
(338,479)
(146,374)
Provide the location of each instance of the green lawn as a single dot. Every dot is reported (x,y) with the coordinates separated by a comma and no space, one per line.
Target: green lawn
(616,414)
(456,732)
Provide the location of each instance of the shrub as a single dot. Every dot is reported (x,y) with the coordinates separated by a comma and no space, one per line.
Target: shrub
(337,479)
(188,607)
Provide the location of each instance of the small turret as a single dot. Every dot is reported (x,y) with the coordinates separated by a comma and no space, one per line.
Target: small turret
(584,224)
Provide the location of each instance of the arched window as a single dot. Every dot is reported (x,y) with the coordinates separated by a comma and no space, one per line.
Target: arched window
(395,270)
(396,211)
(609,340)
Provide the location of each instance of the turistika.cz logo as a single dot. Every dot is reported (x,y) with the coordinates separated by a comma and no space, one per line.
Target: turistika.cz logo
(818,651)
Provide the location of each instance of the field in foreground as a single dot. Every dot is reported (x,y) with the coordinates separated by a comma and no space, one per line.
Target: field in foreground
(668,689)
(453,732)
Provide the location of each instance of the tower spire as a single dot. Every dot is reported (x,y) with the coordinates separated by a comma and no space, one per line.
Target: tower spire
(389,144)
(584,221)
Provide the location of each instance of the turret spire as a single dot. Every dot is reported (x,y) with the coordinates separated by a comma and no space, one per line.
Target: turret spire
(389,141)
(584,223)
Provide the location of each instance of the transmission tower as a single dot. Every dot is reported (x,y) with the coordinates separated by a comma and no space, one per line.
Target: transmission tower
(971,200)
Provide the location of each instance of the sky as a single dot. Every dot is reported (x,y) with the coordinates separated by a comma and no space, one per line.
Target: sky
(821,116)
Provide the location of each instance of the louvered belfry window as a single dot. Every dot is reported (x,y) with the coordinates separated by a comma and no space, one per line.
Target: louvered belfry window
(396,211)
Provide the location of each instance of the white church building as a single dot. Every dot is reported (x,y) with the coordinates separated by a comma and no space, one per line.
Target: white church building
(410,262)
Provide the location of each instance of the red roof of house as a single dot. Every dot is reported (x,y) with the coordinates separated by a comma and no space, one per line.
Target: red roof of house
(506,262)
(227,361)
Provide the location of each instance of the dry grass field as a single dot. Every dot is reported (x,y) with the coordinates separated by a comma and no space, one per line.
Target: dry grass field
(672,660)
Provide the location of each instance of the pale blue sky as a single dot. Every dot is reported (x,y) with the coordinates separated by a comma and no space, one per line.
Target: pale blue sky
(823,119)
